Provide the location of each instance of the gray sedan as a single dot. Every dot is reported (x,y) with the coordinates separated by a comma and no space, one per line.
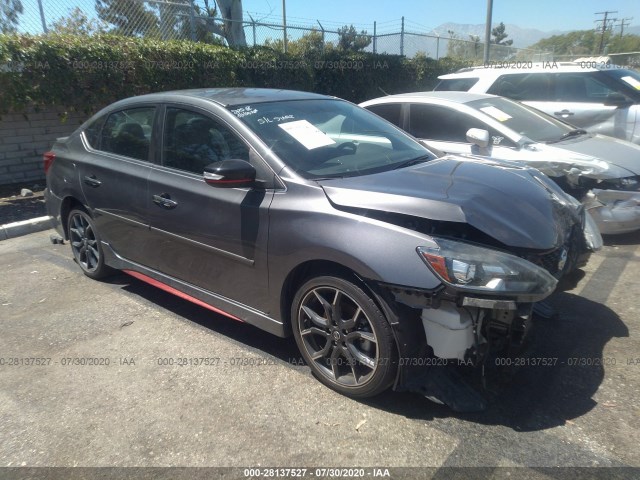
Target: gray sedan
(600,171)
(306,215)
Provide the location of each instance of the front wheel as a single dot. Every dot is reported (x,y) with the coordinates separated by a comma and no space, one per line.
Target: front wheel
(85,245)
(344,337)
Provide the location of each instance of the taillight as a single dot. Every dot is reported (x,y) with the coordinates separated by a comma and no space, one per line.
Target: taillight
(48,159)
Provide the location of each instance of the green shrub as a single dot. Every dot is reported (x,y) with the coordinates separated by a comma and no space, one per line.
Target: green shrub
(85,73)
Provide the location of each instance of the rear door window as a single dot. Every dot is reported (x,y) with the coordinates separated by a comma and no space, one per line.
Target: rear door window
(391,112)
(525,87)
(128,132)
(92,132)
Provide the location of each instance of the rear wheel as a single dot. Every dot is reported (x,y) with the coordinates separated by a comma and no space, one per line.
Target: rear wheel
(85,245)
(344,337)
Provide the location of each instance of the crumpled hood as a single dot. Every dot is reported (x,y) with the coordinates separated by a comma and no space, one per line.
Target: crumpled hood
(620,153)
(516,205)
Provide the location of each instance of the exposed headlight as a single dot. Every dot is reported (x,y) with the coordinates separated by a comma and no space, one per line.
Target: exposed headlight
(483,270)
(592,233)
(574,168)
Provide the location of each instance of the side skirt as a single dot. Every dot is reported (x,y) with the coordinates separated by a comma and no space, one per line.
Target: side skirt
(217,303)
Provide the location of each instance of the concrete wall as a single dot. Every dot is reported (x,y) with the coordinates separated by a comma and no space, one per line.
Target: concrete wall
(25,136)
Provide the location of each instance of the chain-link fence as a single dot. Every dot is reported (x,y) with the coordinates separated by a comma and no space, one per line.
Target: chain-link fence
(199,20)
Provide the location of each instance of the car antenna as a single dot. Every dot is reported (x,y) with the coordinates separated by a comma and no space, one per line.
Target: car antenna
(380,88)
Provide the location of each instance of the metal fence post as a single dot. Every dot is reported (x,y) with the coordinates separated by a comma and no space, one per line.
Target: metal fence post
(322,30)
(253,29)
(375,39)
(402,38)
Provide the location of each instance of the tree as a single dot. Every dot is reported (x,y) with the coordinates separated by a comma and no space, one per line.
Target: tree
(77,23)
(499,36)
(350,39)
(129,17)
(232,28)
(310,44)
(469,49)
(204,21)
(9,11)
(586,42)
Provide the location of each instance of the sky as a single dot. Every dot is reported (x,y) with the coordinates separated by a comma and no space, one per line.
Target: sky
(420,15)
(543,15)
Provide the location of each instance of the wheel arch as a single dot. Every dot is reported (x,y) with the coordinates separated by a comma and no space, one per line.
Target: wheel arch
(405,321)
(303,272)
(69,203)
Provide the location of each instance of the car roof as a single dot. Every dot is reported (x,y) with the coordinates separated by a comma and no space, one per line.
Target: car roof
(453,96)
(227,97)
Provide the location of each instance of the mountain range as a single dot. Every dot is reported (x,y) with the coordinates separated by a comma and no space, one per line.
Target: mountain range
(522,37)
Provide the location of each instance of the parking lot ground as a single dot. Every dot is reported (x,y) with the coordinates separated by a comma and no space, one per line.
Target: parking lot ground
(113,373)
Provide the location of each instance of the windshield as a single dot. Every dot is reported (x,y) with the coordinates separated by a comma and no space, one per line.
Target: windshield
(526,121)
(330,138)
(626,81)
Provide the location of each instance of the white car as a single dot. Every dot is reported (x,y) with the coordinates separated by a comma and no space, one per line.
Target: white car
(600,171)
(599,97)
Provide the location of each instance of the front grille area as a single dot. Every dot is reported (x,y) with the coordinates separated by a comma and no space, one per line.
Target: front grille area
(551,261)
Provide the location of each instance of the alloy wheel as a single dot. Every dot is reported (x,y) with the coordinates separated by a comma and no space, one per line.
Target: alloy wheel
(84,243)
(338,336)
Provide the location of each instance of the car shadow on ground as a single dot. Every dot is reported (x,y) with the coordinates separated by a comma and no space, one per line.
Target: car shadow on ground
(552,380)
(632,238)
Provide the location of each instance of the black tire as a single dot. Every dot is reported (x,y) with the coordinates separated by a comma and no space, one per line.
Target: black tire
(344,337)
(85,245)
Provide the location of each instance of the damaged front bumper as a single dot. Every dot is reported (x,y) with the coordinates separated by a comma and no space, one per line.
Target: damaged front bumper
(441,332)
(462,323)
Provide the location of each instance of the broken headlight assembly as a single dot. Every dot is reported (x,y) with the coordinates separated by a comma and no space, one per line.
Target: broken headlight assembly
(592,233)
(625,184)
(485,271)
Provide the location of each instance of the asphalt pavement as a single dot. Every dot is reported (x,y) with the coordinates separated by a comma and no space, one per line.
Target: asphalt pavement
(120,374)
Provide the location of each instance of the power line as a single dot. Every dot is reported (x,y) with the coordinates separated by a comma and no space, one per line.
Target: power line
(623,24)
(605,24)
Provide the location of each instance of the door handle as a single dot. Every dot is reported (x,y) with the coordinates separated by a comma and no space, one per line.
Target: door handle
(564,113)
(164,200)
(92,181)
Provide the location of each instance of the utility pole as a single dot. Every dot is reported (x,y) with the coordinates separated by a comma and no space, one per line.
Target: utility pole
(284,23)
(623,23)
(487,31)
(42,17)
(605,23)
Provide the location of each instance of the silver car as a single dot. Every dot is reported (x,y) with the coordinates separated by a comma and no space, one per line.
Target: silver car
(599,97)
(600,171)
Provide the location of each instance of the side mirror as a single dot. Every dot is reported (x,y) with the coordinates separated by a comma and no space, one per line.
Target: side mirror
(479,138)
(617,99)
(230,174)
